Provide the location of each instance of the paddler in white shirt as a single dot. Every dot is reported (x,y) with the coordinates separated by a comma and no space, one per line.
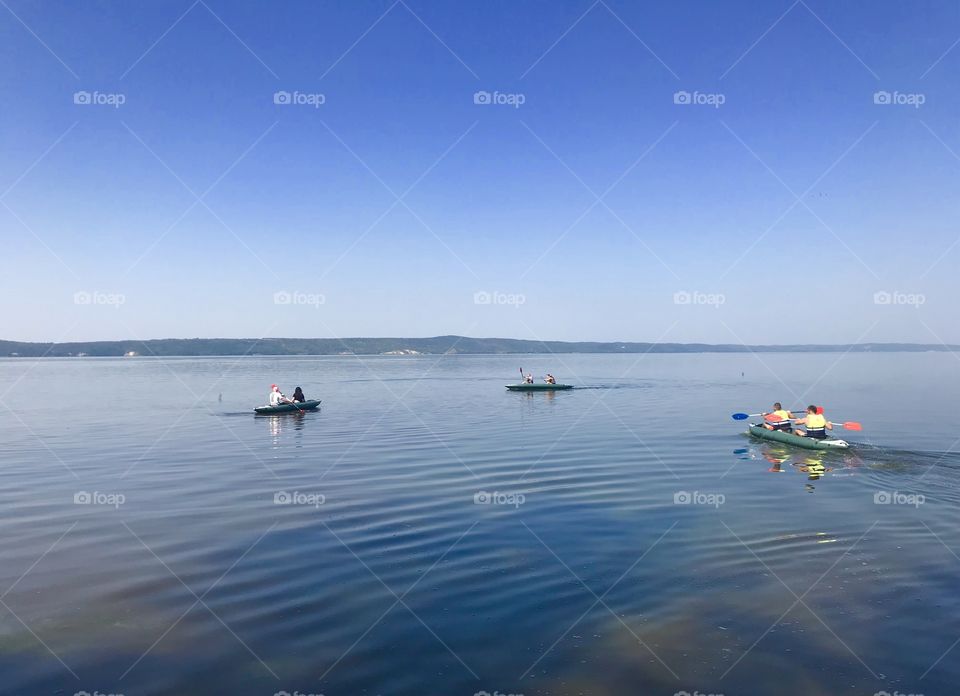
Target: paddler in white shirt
(276,396)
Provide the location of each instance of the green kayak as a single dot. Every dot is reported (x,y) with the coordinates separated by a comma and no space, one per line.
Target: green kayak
(538,387)
(287,408)
(790,439)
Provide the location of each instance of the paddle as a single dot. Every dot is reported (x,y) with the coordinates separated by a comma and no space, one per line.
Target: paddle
(744,416)
(849,425)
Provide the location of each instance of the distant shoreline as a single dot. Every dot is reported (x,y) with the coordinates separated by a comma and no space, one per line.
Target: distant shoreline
(438,345)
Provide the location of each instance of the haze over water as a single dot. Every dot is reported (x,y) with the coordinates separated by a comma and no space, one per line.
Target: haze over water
(443,535)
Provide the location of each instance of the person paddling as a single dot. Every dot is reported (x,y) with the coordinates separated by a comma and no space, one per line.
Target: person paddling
(817,425)
(276,396)
(528,378)
(550,379)
(778,419)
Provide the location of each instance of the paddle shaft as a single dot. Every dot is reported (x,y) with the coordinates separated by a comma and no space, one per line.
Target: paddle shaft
(849,425)
(291,401)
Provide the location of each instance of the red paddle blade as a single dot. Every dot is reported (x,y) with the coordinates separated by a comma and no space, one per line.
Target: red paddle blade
(819,410)
(850,425)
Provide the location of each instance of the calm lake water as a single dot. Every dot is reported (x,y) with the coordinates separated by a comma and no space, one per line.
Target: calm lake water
(428,532)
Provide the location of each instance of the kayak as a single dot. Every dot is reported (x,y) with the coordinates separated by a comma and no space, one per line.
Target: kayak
(538,387)
(829,443)
(287,408)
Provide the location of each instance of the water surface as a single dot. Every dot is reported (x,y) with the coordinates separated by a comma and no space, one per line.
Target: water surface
(447,536)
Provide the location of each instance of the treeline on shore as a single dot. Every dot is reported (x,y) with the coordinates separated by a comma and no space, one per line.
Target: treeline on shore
(438,345)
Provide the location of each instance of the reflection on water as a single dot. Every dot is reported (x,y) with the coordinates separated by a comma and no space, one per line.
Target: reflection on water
(289,422)
(815,464)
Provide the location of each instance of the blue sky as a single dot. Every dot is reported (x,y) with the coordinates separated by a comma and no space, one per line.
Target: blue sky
(784,205)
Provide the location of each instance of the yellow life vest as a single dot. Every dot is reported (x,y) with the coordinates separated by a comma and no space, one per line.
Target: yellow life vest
(782,415)
(815,421)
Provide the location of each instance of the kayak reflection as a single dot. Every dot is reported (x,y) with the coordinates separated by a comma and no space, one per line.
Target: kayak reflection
(814,463)
(284,422)
(547,395)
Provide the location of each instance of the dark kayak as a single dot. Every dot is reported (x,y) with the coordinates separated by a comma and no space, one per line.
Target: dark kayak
(791,439)
(538,387)
(287,408)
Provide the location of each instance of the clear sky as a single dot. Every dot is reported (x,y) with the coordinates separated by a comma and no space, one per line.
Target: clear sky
(679,171)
